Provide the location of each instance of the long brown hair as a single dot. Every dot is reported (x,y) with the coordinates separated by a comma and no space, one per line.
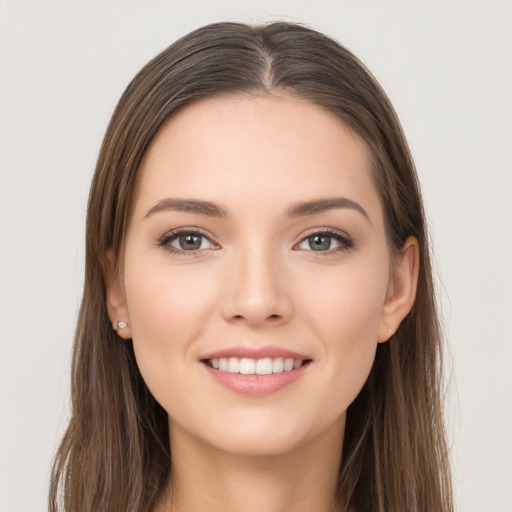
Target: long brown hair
(115,453)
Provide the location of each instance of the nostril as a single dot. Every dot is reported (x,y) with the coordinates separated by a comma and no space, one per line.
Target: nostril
(270,317)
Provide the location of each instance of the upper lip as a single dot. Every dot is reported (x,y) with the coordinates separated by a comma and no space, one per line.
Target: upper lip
(255,353)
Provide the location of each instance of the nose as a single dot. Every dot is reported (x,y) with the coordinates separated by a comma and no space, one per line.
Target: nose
(256,292)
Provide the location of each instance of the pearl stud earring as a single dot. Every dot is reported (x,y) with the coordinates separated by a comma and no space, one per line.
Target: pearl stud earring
(121,325)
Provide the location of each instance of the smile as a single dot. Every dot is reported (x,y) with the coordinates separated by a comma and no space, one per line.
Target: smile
(256,371)
(249,366)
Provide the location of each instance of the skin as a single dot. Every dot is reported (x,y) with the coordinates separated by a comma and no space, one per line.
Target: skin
(256,281)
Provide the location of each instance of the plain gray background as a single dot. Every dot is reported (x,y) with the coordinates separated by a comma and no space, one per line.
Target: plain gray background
(447,66)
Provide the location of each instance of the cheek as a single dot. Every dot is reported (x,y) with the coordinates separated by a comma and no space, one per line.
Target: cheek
(345,303)
(166,300)
(168,308)
(344,310)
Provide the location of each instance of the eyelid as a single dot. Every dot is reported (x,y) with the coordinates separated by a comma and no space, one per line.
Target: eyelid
(173,234)
(346,242)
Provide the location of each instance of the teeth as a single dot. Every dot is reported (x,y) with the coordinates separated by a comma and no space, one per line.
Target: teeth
(288,365)
(234,365)
(264,366)
(248,366)
(277,365)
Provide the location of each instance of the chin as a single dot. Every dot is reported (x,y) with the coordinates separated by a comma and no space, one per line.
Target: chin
(263,435)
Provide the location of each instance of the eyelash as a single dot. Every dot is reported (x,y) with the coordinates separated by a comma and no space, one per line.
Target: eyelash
(169,237)
(345,242)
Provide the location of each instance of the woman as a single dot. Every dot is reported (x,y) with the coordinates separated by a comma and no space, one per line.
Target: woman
(256,239)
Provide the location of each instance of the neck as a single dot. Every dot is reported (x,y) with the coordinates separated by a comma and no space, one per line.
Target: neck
(205,478)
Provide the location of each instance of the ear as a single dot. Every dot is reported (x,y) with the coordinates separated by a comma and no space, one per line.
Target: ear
(401,289)
(116,302)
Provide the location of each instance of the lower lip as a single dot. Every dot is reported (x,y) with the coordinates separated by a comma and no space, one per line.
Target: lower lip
(256,385)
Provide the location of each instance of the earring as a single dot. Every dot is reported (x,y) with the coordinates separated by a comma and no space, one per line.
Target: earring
(121,325)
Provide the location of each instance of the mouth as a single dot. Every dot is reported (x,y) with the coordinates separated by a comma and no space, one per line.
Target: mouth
(260,366)
(256,371)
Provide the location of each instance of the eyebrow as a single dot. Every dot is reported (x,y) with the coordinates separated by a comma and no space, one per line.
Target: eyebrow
(298,209)
(188,205)
(301,209)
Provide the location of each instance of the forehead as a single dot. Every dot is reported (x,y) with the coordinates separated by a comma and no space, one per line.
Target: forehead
(255,150)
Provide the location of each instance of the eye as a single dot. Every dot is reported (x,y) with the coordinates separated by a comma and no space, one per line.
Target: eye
(183,241)
(326,241)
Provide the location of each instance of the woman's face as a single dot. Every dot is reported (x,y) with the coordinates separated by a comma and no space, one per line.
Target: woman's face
(256,243)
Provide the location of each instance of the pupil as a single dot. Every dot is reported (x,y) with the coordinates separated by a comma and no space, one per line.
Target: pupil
(190,241)
(320,242)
